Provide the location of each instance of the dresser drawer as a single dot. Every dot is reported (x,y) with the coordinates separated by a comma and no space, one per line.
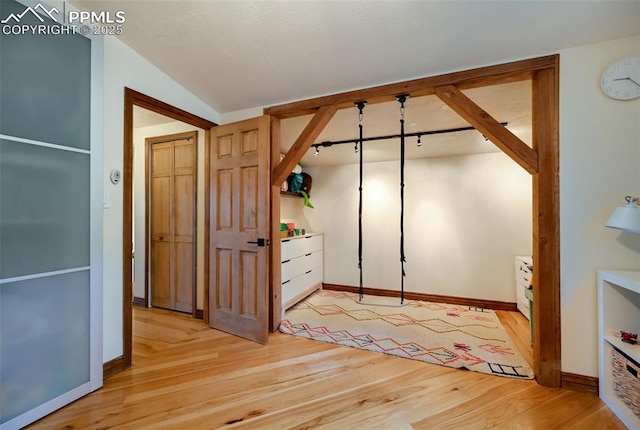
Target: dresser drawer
(299,265)
(523,280)
(299,246)
(299,285)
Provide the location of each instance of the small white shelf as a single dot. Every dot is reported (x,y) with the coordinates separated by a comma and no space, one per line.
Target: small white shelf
(618,309)
(633,351)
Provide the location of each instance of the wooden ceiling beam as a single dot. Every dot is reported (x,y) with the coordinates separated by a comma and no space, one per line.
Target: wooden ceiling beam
(302,143)
(484,76)
(502,137)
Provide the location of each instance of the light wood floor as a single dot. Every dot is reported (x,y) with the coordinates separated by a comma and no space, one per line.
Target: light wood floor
(187,376)
(517,327)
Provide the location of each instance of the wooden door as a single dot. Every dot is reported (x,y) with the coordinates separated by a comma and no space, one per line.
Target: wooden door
(172,197)
(239,228)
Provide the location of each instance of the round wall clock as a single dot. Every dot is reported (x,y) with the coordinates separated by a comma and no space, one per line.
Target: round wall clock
(621,81)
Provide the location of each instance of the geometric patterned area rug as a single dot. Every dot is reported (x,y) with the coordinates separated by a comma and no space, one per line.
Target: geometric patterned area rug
(449,335)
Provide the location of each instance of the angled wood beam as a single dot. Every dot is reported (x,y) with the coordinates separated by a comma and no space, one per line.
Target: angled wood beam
(473,78)
(303,143)
(508,142)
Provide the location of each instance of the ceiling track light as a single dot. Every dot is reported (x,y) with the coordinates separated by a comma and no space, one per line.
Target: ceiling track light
(419,143)
(356,149)
(327,144)
(317,152)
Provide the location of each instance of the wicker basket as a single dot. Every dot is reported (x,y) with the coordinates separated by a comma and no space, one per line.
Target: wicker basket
(626,384)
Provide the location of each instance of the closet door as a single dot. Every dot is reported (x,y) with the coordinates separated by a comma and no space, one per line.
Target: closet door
(172,176)
(161,224)
(50,222)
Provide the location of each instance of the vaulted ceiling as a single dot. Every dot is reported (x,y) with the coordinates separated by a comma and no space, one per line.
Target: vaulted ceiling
(238,55)
(242,54)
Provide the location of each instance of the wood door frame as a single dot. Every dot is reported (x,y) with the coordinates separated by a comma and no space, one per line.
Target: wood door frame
(541,161)
(134,98)
(148,143)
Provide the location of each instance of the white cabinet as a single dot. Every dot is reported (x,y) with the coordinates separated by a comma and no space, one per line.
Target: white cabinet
(524,273)
(618,309)
(302,267)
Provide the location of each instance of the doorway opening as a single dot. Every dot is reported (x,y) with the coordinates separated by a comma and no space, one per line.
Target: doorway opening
(135,100)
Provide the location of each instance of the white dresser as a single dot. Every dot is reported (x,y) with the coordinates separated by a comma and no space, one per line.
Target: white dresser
(524,269)
(302,267)
(524,294)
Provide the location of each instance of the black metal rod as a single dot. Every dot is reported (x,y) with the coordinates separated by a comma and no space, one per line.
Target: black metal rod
(360,216)
(402,99)
(327,144)
(360,106)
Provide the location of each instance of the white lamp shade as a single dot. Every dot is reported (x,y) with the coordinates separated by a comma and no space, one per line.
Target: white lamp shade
(626,218)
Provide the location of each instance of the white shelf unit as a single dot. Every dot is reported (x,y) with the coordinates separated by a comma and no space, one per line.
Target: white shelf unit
(302,267)
(618,309)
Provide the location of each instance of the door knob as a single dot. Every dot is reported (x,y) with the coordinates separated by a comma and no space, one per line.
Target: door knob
(261,242)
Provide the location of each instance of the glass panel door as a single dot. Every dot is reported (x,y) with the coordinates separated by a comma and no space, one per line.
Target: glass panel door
(50,218)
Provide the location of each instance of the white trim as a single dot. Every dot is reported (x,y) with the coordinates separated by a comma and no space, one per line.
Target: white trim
(45,144)
(96,212)
(46,408)
(44,274)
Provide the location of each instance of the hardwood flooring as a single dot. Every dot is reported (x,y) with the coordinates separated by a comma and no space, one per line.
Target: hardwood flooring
(188,376)
(517,327)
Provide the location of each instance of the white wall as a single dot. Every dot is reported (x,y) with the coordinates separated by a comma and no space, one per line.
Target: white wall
(139,199)
(292,209)
(599,165)
(466,218)
(123,67)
